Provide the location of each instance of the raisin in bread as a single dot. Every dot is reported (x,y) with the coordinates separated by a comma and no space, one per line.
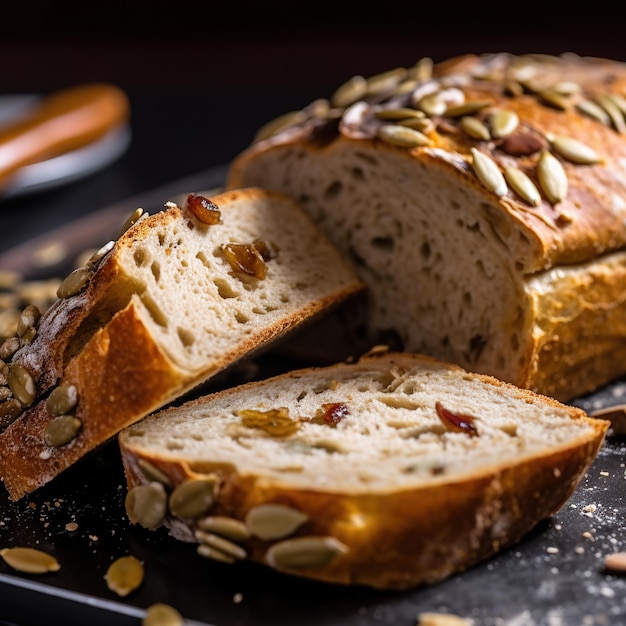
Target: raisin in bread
(393,471)
(483,200)
(180,296)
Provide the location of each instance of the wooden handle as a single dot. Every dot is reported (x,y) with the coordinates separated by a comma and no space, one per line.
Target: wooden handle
(59,123)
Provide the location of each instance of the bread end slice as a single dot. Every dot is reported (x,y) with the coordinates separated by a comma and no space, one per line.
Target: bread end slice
(180,296)
(392,472)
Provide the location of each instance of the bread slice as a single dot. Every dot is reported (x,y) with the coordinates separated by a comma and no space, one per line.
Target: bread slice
(392,472)
(483,201)
(180,296)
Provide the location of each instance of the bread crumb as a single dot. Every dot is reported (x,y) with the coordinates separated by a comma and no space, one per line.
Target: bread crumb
(552,550)
(442,619)
(588,535)
(237,598)
(71,526)
(604,473)
(590,508)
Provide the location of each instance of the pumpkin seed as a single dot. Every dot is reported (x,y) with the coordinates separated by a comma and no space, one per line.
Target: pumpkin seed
(503,123)
(553,98)
(467,108)
(124,575)
(402,136)
(97,256)
(615,115)
(74,283)
(134,217)
(574,150)
(350,92)
(422,70)
(29,335)
(160,614)
(278,124)
(30,560)
(423,124)
(153,473)
(488,172)
(215,555)
(386,82)
(432,104)
(29,318)
(513,88)
(146,504)
(552,177)
(474,128)
(193,497)
(225,527)
(9,410)
(304,552)
(274,521)
(22,384)
(219,543)
(61,430)
(9,347)
(618,101)
(398,114)
(594,111)
(62,399)
(522,185)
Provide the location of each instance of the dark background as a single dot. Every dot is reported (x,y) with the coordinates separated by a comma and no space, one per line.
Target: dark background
(203,76)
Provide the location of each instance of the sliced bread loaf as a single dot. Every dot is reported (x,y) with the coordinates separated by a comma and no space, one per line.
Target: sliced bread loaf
(483,201)
(394,471)
(181,295)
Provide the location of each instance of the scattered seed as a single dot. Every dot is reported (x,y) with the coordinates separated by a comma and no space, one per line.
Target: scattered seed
(552,177)
(422,70)
(193,498)
(22,384)
(61,430)
(153,473)
(274,521)
(467,108)
(488,172)
(30,560)
(9,410)
(441,619)
(278,124)
(146,505)
(160,614)
(385,82)
(225,526)
(96,257)
(554,99)
(475,128)
(574,150)
(62,399)
(399,114)
(209,552)
(303,552)
(135,216)
(74,283)
(29,318)
(229,548)
(124,575)
(402,136)
(522,185)
(350,92)
(594,111)
(503,123)
(9,347)
(612,110)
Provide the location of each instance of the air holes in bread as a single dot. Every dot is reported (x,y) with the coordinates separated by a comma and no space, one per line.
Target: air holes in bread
(225,289)
(333,190)
(140,257)
(153,309)
(155,268)
(187,338)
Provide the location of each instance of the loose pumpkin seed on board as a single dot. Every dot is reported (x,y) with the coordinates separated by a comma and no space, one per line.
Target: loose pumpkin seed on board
(30,560)
(124,575)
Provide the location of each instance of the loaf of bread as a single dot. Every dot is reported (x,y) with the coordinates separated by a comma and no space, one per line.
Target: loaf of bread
(483,200)
(180,296)
(393,471)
